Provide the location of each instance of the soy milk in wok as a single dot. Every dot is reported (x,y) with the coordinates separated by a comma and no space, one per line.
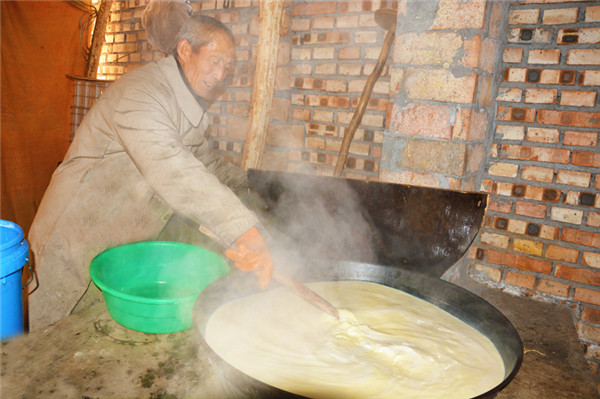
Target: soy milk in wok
(386,344)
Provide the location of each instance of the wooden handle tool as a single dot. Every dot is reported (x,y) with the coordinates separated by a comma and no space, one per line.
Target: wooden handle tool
(306,293)
(385,18)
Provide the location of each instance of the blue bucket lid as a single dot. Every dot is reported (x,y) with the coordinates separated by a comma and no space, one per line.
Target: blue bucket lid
(10,234)
(14,250)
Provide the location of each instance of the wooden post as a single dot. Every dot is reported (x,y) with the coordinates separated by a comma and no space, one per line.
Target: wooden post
(102,17)
(271,13)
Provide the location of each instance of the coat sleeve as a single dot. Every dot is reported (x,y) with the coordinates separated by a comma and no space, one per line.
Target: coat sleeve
(146,129)
(229,174)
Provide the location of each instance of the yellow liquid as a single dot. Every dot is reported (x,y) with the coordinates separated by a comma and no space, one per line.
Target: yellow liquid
(386,344)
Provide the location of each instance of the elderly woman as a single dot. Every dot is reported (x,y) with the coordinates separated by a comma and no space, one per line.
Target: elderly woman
(139,161)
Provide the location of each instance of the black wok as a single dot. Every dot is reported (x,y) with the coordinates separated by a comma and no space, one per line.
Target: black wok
(457,301)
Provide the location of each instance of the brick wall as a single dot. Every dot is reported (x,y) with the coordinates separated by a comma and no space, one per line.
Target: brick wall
(485,95)
(441,97)
(541,236)
(327,51)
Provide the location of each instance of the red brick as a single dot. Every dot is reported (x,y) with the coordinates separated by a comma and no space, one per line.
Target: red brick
(487,55)
(302,54)
(462,123)
(434,156)
(583,35)
(510,132)
(509,94)
(349,21)
(587,295)
(566,215)
(503,169)
(472,52)
(317,8)
(593,219)
(562,253)
(235,126)
(300,114)
(588,331)
(539,36)
(538,173)
(504,206)
(409,177)
(589,78)
(584,158)
(515,75)
(531,209)
(495,240)
(573,178)
(583,57)
(521,280)
(580,237)
(541,154)
(549,232)
(534,265)
(558,16)
(524,115)
(591,259)
(421,120)
(512,55)
(586,276)
(535,193)
(327,101)
(495,21)
(578,98)
(592,14)
(592,354)
(459,14)
(542,135)
(428,48)
(554,288)
(569,118)
(349,53)
(439,85)
(323,23)
(503,188)
(583,139)
(541,96)
(528,246)
(491,273)
(590,314)
(546,56)
(524,17)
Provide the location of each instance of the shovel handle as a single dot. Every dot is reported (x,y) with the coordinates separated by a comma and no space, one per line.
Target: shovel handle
(363,102)
(306,293)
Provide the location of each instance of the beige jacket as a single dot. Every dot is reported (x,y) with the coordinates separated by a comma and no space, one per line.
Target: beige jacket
(139,155)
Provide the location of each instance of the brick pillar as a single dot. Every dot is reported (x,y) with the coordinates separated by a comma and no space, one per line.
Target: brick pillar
(441,92)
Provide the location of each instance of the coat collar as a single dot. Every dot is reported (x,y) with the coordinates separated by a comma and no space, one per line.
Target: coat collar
(192,106)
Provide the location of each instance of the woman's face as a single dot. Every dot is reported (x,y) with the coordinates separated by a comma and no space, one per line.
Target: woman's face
(206,68)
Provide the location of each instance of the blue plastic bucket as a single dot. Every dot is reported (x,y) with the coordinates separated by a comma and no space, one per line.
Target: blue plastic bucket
(14,255)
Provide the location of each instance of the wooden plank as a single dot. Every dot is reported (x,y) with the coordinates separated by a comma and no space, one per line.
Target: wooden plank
(91,68)
(271,13)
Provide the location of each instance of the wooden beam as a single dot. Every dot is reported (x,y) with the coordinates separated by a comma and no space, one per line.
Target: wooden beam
(102,16)
(271,13)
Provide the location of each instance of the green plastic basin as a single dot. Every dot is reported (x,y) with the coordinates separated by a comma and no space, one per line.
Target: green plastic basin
(151,286)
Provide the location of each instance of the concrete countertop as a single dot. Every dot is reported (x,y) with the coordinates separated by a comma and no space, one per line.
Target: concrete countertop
(88,355)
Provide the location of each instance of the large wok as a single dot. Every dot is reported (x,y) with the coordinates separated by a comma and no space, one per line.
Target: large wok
(459,302)
(421,229)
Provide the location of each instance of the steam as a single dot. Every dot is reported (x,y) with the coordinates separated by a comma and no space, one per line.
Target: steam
(317,219)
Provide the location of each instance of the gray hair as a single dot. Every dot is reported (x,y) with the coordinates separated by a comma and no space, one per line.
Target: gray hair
(199,30)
